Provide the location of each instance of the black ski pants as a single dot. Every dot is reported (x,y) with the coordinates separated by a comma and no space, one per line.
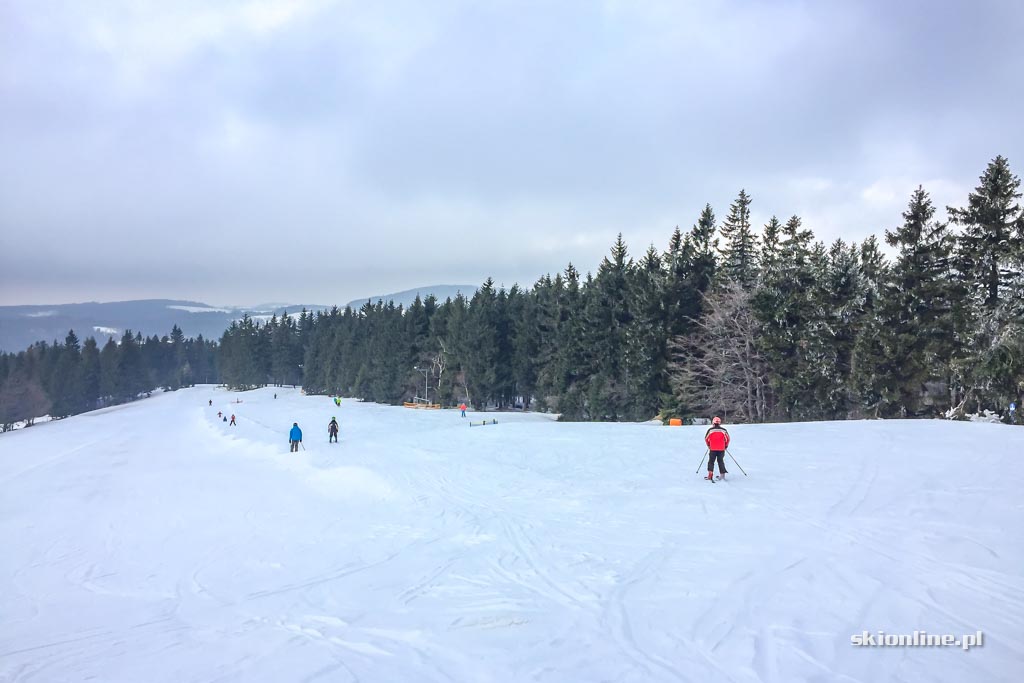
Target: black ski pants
(721,461)
(295,446)
(333,437)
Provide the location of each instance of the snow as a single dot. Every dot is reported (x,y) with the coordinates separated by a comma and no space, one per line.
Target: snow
(22,424)
(985,416)
(199,309)
(40,314)
(154,542)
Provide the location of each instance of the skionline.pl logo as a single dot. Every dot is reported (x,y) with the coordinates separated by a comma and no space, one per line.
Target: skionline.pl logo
(917,639)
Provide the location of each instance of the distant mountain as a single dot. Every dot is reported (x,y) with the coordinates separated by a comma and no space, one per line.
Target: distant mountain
(21,326)
(440,292)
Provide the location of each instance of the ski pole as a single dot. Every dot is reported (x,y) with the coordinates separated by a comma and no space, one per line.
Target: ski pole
(734,460)
(701,461)
(304,448)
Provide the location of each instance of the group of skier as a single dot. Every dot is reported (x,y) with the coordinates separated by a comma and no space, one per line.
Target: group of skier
(716,438)
(224,417)
(295,435)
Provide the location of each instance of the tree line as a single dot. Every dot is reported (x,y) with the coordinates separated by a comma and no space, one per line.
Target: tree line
(755,325)
(62,379)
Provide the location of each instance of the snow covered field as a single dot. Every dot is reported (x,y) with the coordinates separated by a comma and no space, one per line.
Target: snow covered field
(152,542)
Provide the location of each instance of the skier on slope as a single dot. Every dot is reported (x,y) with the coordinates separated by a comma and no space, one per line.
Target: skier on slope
(332,430)
(232,423)
(462,407)
(717,439)
(295,437)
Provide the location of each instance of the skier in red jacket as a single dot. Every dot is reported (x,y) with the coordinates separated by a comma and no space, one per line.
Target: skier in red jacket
(717,439)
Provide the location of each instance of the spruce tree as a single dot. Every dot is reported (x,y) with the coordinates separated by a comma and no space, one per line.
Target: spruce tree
(990,261)
(179,370)
(680,297)
(784,308)
(131,375)
(917,309)
(481,351)
(608,316)
(993,230)
(574,362)
(109,359)
(90,374)
(871,376)
(540,327)
(646,338)
(66,389)
(702,248)
(739,254)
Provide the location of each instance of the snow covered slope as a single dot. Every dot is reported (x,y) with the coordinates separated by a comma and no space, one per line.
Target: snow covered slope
(153,542)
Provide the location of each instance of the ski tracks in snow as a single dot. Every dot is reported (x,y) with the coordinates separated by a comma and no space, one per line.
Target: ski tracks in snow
(422,550)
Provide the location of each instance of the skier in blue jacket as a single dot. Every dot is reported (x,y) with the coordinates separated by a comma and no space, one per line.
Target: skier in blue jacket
(295,437)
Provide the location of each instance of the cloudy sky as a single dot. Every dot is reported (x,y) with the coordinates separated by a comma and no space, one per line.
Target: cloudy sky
(317,151)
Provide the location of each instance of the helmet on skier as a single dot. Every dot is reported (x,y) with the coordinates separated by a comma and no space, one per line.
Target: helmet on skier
(716,420)
(295,424)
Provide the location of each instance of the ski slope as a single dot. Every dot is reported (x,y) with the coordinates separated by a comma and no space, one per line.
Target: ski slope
(153,542)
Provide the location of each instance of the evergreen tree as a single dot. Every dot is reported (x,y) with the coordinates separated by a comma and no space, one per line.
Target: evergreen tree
(480,354)
(702,248)
(523,320)
(539,335)
(90,374)
(608,317)
(871,377)
(646,352)
(841,307)
(66,389)
(574,366)
(180,372)
(784,308)
(991,243)
(990,261)
(131,373)
(917,330)
(680,296)
(109,372)
(739,256)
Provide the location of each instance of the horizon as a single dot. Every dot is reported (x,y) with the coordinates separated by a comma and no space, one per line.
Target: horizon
(263,305)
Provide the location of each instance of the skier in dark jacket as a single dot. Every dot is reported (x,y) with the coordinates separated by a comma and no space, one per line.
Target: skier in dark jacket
(295,437)
(332,430)
(717,439)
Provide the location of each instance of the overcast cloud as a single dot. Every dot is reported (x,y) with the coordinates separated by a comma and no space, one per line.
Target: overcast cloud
(319,151)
